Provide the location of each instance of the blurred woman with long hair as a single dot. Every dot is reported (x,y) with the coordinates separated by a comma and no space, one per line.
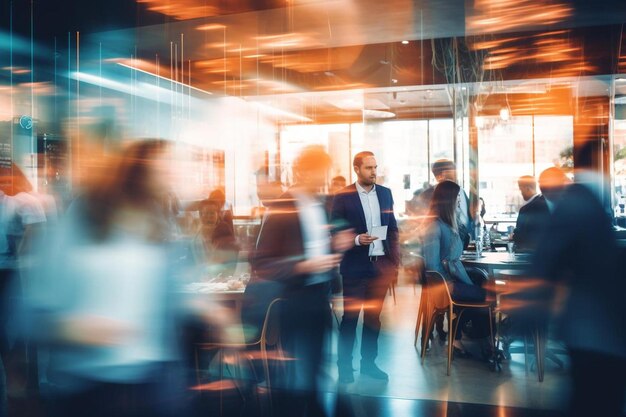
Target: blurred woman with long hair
(102,301)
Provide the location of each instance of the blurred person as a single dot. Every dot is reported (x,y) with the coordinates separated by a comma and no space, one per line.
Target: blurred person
(551,183)
(293,260)
(533,216)
(214,244)
(442,250)
(103,302)
(578,254)
(268,192)
(368,268)
(24,221)
(225,210)
(7,269)
(482,210)
(418,206)
(336,185)
(445,170)
(29,217)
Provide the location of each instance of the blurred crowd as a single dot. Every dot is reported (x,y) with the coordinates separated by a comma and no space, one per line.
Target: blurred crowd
(95,318)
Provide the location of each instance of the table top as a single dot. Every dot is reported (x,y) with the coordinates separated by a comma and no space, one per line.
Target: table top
(496,259)
(217,290)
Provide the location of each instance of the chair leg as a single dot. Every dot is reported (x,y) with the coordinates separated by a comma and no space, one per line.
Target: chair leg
(266,371)
(525,332)
(393,292)
(420,314)
(539,352)
(494,351)
(452,328)
(429,318)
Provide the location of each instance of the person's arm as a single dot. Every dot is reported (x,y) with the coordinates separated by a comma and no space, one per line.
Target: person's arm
(431,248)
(393,235)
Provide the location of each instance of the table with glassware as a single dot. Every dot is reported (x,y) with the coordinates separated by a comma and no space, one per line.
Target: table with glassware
(492,262)
(228,290)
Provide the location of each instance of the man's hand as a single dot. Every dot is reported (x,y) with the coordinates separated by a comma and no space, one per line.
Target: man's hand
(365,239)
(317,265)
(343,241)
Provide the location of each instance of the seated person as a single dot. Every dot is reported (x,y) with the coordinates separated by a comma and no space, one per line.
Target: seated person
(214,244)
(442,248)
(225,212)
(532,217)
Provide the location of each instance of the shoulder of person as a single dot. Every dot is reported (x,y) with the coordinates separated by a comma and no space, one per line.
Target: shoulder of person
(345,192)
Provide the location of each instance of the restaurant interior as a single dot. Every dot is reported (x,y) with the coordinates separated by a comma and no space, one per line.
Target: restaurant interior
(238,88)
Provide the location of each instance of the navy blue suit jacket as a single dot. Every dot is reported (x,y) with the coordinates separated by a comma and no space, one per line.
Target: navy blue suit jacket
(347,209)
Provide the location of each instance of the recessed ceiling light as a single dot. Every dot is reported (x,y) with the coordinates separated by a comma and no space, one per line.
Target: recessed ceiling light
(405,42)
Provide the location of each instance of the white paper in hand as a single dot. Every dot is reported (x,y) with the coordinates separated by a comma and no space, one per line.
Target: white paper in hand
(380,232)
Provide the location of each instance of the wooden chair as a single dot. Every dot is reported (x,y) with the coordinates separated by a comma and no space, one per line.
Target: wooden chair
(439,301)
(269,338)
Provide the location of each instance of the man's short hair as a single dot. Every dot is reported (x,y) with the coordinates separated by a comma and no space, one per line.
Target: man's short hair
(359,157)
(339,178)
(527,181)
(442,165)
(551,181)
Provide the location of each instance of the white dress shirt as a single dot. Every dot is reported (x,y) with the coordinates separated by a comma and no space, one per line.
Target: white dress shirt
(371,209)
(315,232)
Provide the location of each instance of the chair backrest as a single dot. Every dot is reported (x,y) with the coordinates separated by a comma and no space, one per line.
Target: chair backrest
(478,275)
(438,293)
(270,333)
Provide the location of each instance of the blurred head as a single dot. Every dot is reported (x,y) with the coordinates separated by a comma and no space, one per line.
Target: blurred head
(483,210)
(445,201)
(269,191)
(310,168)
(527,186)
(552,181)
(365,167)
(138,178)
(444,169)
(219,197)
(209,212)
(336,184)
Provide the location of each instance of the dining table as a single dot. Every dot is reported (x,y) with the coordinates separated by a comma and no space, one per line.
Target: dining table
(495,262)
(228,293)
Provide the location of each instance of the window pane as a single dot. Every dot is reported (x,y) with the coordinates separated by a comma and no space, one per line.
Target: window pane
(554,141)
(504,154)
(401,153)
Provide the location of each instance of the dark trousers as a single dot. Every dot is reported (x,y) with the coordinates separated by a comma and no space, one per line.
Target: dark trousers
(597,384)
(305,319)
(479,318)
(367,294)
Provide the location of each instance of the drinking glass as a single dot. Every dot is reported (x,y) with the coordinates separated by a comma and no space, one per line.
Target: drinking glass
(509,249)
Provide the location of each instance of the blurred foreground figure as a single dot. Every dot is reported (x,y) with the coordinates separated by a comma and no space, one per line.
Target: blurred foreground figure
(102,301)
(294,261)
(579,252)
